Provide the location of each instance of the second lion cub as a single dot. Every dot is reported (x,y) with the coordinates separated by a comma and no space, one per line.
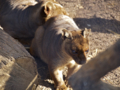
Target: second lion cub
(59,43)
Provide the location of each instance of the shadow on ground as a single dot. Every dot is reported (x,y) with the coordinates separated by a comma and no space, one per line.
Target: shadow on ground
(98,24)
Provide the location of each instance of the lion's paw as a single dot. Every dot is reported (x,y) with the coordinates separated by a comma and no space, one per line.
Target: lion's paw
(62,87)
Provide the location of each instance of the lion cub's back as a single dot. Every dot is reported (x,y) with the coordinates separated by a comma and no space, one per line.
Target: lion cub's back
(51,39)
(59,22)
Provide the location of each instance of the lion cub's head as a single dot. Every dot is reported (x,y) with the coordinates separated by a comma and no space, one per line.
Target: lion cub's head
(76,44)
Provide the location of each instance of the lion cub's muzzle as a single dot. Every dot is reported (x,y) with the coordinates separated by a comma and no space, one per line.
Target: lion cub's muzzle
(80,60)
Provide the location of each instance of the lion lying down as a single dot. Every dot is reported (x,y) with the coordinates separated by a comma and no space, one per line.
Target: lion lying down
(20,18)
(59,43)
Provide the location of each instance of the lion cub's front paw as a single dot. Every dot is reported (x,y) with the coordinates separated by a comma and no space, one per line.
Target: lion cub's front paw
(62,87)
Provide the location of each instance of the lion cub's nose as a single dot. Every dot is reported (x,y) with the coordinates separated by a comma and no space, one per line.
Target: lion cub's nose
(82,61)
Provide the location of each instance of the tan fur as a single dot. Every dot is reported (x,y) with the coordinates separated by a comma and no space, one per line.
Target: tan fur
(61,43)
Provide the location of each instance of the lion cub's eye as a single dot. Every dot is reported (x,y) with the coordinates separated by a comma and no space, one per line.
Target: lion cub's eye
(74,51)
(87,51)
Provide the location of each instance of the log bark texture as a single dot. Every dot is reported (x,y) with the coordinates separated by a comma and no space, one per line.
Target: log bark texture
(88,77)
(18,69)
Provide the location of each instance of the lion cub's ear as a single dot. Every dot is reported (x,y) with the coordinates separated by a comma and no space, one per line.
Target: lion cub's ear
(48,8)
(86,32)
(66,34)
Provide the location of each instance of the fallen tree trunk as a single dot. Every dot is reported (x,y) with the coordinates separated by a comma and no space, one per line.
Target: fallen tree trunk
(17,67)
(88,77)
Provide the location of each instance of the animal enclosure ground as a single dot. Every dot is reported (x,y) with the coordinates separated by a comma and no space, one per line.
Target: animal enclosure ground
(103,17)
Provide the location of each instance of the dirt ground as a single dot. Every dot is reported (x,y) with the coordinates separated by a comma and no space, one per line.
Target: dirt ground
(103,17)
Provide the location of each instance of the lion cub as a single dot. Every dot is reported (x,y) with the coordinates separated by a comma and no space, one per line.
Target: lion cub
(59,43)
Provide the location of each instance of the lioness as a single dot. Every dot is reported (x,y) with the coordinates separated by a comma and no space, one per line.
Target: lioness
(59,43)
(20,18)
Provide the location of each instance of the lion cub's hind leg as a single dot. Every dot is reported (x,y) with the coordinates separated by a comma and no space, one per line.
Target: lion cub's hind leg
(33,49)
(36,41)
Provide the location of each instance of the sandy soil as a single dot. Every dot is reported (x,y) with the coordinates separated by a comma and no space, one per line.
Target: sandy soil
(102,16)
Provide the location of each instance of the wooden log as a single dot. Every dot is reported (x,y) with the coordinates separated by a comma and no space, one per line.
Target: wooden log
(18,69)
(88,77)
